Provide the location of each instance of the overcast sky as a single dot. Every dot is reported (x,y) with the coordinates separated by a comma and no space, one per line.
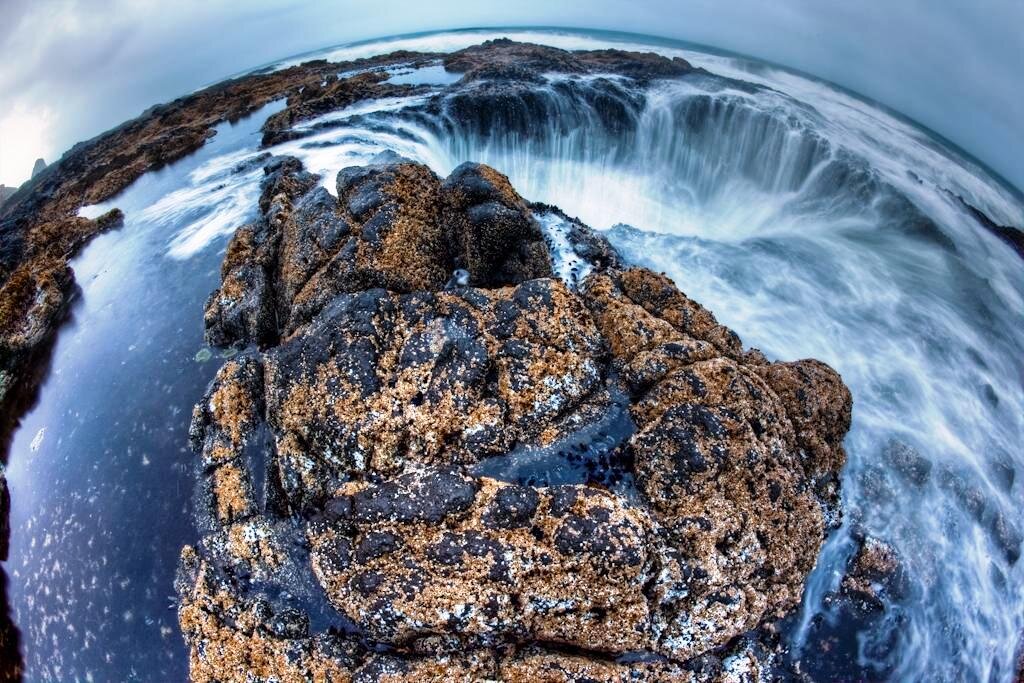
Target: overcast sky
(74,68)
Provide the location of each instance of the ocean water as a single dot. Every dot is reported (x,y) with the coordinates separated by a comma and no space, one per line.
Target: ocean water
(812,222)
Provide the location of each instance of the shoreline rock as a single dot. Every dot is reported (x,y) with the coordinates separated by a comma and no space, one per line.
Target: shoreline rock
(338,454)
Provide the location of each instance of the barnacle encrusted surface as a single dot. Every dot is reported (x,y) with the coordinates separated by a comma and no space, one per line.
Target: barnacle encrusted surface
(365,510)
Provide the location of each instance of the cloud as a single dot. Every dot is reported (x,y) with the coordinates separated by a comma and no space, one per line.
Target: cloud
(953,66)
(24,133)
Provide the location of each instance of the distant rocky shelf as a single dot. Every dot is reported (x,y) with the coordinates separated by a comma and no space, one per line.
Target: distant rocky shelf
(8,192)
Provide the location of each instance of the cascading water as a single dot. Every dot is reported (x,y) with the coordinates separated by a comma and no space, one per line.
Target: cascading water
(812,223)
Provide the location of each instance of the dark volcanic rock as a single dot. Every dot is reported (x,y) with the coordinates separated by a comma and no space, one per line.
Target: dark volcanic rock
(339,459)
(735,456)
(395,225)
(384,381)
(577,579)
(505,59)
(1009,234)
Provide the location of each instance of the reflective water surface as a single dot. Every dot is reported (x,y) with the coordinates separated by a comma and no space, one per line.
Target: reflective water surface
(100,473)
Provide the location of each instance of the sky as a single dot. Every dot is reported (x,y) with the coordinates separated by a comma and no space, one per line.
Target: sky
(74,68)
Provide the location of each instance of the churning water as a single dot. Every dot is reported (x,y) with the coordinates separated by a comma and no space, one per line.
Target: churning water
(813,223)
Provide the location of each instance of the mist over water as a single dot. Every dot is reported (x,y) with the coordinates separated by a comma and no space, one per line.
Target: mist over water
(811,222)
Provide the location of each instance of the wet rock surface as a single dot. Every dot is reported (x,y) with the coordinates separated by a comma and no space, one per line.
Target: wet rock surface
(1012,235)
(406,342)
(332,93)
(874,571)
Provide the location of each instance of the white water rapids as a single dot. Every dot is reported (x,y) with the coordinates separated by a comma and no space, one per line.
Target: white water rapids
(812,223)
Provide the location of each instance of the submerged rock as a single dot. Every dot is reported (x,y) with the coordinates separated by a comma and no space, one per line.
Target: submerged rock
(874,572)
(410,332)
(1014,236)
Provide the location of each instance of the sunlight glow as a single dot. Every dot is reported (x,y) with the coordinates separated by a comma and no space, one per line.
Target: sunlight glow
(24,137)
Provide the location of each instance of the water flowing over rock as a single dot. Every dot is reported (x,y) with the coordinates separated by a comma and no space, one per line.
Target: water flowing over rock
(407,342)
(41,229)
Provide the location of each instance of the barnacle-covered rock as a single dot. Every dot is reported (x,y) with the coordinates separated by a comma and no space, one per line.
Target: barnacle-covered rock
(366,510)
(442,554)
(380,381)
(728,451)
(394,226)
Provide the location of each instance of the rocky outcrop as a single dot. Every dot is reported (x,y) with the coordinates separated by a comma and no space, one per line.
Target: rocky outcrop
(363,508)
(38,167)
(34,298)
(736,456)
(396,227)
(504,58)
(436,553)
(40,230)
(1011,235)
